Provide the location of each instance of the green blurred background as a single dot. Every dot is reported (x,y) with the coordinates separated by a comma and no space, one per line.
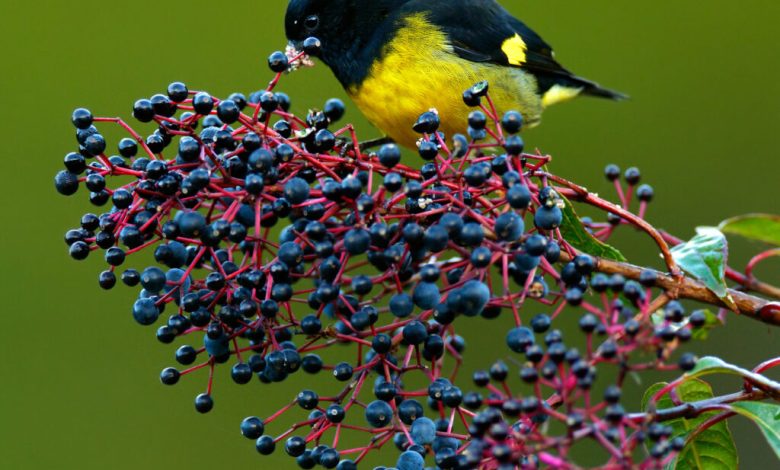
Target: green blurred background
(79,378)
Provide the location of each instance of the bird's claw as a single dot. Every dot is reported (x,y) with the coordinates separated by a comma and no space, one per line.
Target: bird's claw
(346,146)
(369,144)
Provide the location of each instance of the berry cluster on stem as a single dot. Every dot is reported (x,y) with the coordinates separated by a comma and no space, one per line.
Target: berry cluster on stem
(280,241)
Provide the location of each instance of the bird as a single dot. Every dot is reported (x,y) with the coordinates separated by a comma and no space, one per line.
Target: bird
(397,59)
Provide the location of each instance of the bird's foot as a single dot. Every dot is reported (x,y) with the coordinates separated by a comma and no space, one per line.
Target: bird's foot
(365,145)
(373,143)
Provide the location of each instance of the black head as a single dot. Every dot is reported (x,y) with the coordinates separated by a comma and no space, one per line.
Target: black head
(352,32)
(306,18)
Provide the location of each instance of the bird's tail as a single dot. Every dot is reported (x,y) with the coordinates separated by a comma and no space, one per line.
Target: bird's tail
(566,87)
(590,88)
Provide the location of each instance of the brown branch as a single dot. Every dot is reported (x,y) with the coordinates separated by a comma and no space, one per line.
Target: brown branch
(753,284)
(688,288)
(686,410)
(694,409)
(663,239)
(581,194)
(749,283)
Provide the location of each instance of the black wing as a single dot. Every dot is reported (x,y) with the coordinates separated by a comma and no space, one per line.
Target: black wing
(478,31)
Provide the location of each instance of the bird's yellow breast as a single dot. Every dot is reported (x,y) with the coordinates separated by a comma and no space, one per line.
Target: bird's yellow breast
(418,71)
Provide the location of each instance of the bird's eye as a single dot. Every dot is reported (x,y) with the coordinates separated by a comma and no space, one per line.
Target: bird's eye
(311,22)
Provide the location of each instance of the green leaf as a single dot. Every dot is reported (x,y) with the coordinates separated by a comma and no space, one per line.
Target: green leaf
(711,449)
(709,365)
(651,392)
(765,415)
(700,334)
(711,322)
(761,227)
(574,232)
(704,257)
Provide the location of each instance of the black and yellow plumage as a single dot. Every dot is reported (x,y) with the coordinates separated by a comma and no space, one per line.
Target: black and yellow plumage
(399,58)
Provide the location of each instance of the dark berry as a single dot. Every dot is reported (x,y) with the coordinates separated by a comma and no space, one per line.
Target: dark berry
(334,109)
(241,373)
(518,196)
(131,277)
(548,218)
(514,145)
(677,444)
(95,144)
(379,414)
(698,318)
(324,140)
(252,427)
(687,362)
(145,311)
(499,371)
(296,190)
(66,183)
(162,105)
(203,103)
(415,333)
(204,403)
(312,46)
(612,172)
(79,250)
(143,110)
(177,92)
(645,193)
(269,102)
(343,371)
(633,176)
(519,339)
(82,118)
(105,240)
(169,376)
(423,431)
(308,399)
(541,323)
(265,445)
(481,257)
(509,226)
(75,163)
(471,99)
(614,413)
(477,120)
(295,446)
(612,394)
(512,122)
(648,278)
(278,62)
(228,111)
(529,374)
(674,312)
(588,323)
(428,150)
(107,280)
(427,123)
(357,241)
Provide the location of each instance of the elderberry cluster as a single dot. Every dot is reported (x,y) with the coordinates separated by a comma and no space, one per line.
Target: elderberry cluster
(283,248)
